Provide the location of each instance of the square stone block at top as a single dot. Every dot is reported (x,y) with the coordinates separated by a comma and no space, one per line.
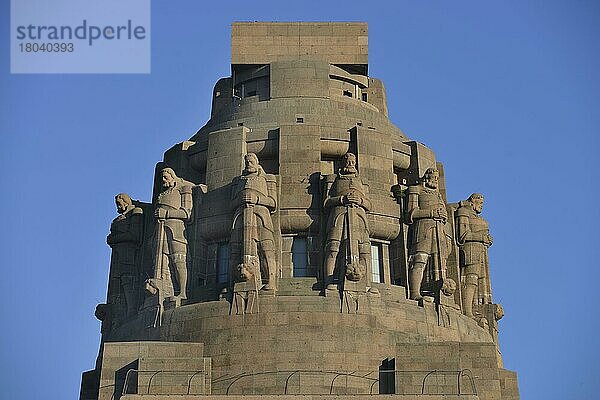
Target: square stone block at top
(265,42)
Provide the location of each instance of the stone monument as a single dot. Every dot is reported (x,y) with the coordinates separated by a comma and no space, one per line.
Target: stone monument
(252,240)
(125,238)
(347,203)
(473,237)
(299,244)
(426,215)
(172,210)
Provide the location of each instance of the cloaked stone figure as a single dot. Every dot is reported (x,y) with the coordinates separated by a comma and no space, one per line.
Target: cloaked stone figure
(124,239)
(426,216)
(173,210)
(347,203)
(473,237)
(252,237)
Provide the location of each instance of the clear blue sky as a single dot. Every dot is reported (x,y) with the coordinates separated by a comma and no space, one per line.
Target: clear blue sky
(506,92)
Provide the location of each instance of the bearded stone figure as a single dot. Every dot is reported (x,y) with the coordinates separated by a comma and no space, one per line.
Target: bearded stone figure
(426,216)
(473,237)
(173,210)
(252,237)
(124,239)
(347,203)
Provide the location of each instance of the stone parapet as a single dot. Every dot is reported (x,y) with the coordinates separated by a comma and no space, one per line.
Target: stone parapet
(304,397)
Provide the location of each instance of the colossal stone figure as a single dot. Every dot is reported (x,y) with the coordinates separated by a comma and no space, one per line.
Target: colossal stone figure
(173,210)
(426,216)
(124,239)
(252,241)
(473,239)
(347,203)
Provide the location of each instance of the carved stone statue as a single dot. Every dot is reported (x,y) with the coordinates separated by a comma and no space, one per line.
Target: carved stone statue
(252,242)
(173,209)
(473,237)
(124,239)
(426,216)
(347,203)
(103,313)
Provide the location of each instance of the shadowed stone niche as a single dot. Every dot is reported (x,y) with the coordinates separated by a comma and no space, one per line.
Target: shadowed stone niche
(296,243)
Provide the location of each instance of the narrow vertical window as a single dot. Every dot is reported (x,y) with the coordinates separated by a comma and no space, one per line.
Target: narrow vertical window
(223,263)
(300,257)
(376,263)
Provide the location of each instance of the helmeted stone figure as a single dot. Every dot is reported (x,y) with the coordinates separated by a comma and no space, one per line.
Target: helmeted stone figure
(124,238)
(426,216)
(347,202)
(473,239)
(173,210)
(252,238)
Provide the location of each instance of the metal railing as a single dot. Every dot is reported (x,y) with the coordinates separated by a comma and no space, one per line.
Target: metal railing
(434,373)
(112,385)
(457,386)
(459,374)
(155,373)
(354,389)
(290,374)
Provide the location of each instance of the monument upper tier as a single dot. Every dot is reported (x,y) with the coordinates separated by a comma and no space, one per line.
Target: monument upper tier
(303,76)
(338,43)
